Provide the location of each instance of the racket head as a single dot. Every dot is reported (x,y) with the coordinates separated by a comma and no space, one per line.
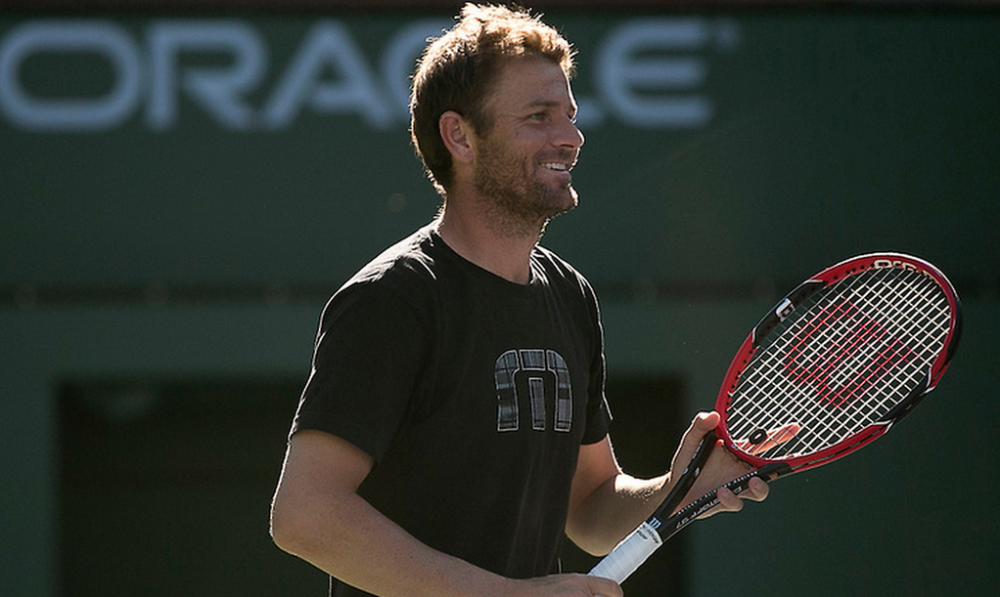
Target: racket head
(838,360)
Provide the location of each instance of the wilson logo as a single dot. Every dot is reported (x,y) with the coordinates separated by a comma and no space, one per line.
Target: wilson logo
(842,353)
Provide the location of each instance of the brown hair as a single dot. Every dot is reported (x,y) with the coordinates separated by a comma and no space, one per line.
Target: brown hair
(458,69)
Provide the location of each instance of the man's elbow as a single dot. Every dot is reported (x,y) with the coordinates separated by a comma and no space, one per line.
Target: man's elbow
(290,530)
(316,500)
(589,540)
(282,531)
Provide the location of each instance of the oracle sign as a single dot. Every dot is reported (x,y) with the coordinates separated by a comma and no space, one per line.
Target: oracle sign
(646,73)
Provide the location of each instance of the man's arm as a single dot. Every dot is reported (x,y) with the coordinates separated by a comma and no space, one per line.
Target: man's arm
(607,504)
(318,516)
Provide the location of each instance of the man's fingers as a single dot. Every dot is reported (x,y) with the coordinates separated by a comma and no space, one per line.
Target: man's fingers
(576,585)
(602,587)
(775,438)
(728,500)
(700,425)
(757,490)
(706,421)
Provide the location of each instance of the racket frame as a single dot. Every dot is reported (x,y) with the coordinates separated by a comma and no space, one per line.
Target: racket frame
(786,306)
(665,523)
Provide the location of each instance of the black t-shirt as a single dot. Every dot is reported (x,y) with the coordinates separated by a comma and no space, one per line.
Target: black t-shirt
(472,394)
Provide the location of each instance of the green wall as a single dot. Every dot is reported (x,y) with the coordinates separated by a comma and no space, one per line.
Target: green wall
(179,195)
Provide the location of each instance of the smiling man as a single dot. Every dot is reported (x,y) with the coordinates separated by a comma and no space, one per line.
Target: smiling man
(512,175)
(454,425)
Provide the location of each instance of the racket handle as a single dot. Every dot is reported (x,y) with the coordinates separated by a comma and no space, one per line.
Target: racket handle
(628,555)
(692,511)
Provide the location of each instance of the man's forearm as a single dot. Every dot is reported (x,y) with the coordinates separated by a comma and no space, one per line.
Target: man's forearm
(352,541)
(614,510)
(318,516)
(357,544)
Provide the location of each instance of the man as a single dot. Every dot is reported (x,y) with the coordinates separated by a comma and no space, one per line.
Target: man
(454,425)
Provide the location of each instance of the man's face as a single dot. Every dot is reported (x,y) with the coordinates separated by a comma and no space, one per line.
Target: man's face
(523,162)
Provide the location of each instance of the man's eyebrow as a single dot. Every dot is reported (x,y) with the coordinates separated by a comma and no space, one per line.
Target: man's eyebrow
(546,103)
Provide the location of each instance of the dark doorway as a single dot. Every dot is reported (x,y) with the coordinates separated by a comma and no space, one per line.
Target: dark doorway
(648,422)
(165,490)
(165,487)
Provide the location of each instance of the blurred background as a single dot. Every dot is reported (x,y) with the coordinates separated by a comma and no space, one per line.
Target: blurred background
(183,184)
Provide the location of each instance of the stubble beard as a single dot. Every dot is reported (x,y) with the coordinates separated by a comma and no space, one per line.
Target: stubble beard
(516,204)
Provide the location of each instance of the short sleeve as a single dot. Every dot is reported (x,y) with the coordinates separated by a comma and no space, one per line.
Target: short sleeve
(368,355)
(598,411)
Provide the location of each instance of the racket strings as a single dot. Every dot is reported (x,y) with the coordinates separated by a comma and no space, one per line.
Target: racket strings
(847,345)
(841,360)
(819,371)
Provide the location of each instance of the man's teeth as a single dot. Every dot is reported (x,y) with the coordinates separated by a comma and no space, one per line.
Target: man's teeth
(555,166)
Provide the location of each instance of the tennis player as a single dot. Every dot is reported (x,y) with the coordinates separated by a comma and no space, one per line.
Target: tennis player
(454,425)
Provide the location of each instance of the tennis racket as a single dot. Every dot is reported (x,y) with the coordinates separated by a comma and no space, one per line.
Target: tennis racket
(831,368)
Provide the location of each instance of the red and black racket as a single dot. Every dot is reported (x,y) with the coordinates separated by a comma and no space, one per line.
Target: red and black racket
(831,368)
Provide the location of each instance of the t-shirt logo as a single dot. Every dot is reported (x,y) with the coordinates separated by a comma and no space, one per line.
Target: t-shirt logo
(534,374)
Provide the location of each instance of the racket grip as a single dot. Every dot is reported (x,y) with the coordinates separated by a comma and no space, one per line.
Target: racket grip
(628,555)
(692,511)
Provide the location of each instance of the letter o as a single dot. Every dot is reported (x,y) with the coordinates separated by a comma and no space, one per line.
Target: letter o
(98,113)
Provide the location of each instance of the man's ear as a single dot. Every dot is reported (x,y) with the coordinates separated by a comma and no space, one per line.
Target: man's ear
(456,132)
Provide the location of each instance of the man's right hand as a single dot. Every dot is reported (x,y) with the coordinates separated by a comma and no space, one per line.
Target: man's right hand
(568,585)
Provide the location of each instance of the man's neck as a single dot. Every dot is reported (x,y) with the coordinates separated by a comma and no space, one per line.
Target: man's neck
(503,251)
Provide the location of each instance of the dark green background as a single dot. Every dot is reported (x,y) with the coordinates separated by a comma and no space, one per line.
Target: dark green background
(191,264)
